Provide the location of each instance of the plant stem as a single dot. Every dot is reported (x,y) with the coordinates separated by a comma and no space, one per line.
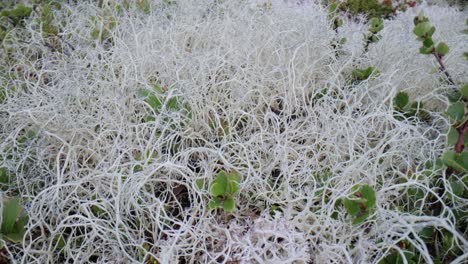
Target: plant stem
(442,68)
(461,137)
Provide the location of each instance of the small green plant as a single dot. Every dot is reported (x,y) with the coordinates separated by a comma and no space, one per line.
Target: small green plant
(13,220)
(424,31)
(222,189)
(103,26)
(370,8)
(458,117)
(46,20)
(456,161)
(17,14)
(360,203)
(363,74)
(335,19)
(376,25)
(157,99)
(406,109)
(336,22)
(452,166)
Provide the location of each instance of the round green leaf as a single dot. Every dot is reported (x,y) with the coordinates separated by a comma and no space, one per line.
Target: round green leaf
(401,100)
(233,176)
(427,233)
(368,193)
(452,136)
(352,207)
(428,43)
(431,31)
(214,203)
(456,111)
(332,7)
(442,49)
(217,189)
(426,50)
(464,90)
(229,204)
(457,187)
(421,29)
(233,187)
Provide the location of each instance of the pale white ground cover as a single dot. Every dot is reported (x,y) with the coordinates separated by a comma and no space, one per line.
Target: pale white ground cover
(234,65)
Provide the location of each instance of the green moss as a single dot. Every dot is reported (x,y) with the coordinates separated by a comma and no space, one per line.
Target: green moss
(16,15)
(370,8)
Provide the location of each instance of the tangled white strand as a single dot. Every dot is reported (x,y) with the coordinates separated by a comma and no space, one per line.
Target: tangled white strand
(105,184)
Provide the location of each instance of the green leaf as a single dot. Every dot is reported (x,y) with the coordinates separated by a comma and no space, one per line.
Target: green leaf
(4,177)
(442,49)
(357,74)
(234,176)
(401,100)
(464,90)
(428,43)
(352,207)
(361,218)
(233,187)
(218,189)
(229,204)
(426,50)
(11,210)
(456,111)
(214,203)
(463,159)
(221,178)
(338,22)
(376,25)
(362,74)
(19,227)
(454,96)
(427,233)
(422,28)
(151,99)
(452,136)
(419,18)
(220,185)
(172,104)
(14,237)
(457,186)
(456,161)
(368,193)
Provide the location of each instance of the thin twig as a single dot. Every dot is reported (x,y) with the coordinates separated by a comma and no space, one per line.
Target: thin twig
(461,137)
(442,68)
